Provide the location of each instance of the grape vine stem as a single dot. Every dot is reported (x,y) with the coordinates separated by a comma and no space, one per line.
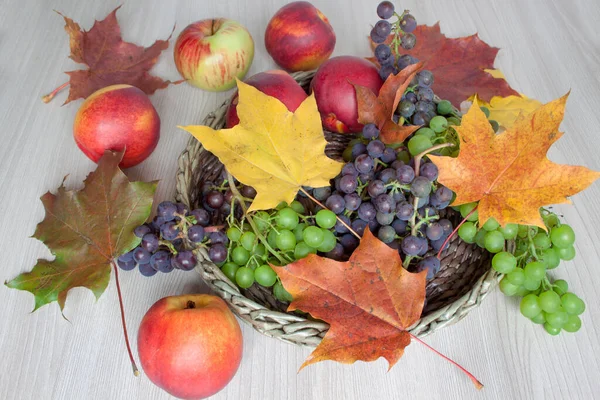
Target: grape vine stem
(475,381)
(50,96)
(136,371)
(336,217)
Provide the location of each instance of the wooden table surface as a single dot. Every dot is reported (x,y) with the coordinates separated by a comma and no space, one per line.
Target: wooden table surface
(548,48)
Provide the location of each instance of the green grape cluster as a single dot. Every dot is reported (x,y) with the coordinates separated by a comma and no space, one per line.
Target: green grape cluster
(290,235)
(525,268)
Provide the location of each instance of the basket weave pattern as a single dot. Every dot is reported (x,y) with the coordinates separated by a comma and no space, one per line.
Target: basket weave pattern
(465,277)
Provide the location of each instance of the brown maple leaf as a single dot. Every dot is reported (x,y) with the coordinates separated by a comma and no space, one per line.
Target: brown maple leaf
(379,109)
(458,65)
(369,301)
(110,60)
(509,173)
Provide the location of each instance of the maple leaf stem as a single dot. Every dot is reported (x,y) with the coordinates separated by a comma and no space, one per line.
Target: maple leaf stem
(336,217)
(136,372)
(454,232)
(475,381)
(47,98)
(422,154)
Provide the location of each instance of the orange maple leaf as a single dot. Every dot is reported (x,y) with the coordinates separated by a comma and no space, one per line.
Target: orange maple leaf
(509,173)
(379,109)
(110,60)
(369,301)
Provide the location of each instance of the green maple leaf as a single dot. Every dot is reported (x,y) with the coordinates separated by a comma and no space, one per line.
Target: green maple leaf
(85,230)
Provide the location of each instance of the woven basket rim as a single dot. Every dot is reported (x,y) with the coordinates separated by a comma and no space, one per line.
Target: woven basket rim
(293,328)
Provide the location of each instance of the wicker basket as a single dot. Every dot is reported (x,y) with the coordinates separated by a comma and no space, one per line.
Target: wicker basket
(464,279)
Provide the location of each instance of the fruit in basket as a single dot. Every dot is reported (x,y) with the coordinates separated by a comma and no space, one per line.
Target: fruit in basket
(299,37)
(190,345)
(117,117)
(212,53)
(275,83)
(336,95)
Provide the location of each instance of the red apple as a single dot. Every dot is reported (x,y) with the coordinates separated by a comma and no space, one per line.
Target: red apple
(275,83)
(336,95)
(299,37)
(190,345)
(211,53)
(115,118)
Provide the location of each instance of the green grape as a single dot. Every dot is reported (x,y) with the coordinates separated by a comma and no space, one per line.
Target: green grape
(265,276)
(522,248)
(438,123)
(531,284)
(287,218)
(522,292)
(535,270)
(480,238)
(522,231)
(573,324)
(539,319)
(508,288)
(418,144)
(325,219)
(491,225)
(454,121)
(427,132)
(262,221)
(549,257)
(516,277)
(560,286)
(240,255)
(549,301)
(403,156)
(572,304)
(542,241)
(562,236)
(298,231)
(567,253)
(504,262)
(253,263)
(551,330)
(347,154)
(244,277)
(298,207)
(495,125)
(280,293)
(313,236)
(302,250)
(486,111)
(286,240)
(509,231)
(260,250)
(272,238)
(281,205)
(494,241)
(467,232)
(530,306)
(234,234)
(229,269)
(328,241)
(465,209)
(551,220)
(558,318)
(248,240)
(444,107)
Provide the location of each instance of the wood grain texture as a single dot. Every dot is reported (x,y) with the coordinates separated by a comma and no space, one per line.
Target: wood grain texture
(548,47)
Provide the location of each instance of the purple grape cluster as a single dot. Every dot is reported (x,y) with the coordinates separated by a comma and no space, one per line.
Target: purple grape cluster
(380,189)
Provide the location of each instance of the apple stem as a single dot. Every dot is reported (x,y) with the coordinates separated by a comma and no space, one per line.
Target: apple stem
(136,372)
(439,255)
(50,96)
(190,304)
(475,381)
(336,217)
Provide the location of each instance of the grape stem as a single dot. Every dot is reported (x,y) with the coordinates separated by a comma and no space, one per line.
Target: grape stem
(439,255)
(475,381)
(136,372)
(336,216)
(50,96)
(264,241)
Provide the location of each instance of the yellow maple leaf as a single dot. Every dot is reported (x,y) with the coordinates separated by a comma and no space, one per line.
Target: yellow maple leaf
(272,149)
(509,173)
